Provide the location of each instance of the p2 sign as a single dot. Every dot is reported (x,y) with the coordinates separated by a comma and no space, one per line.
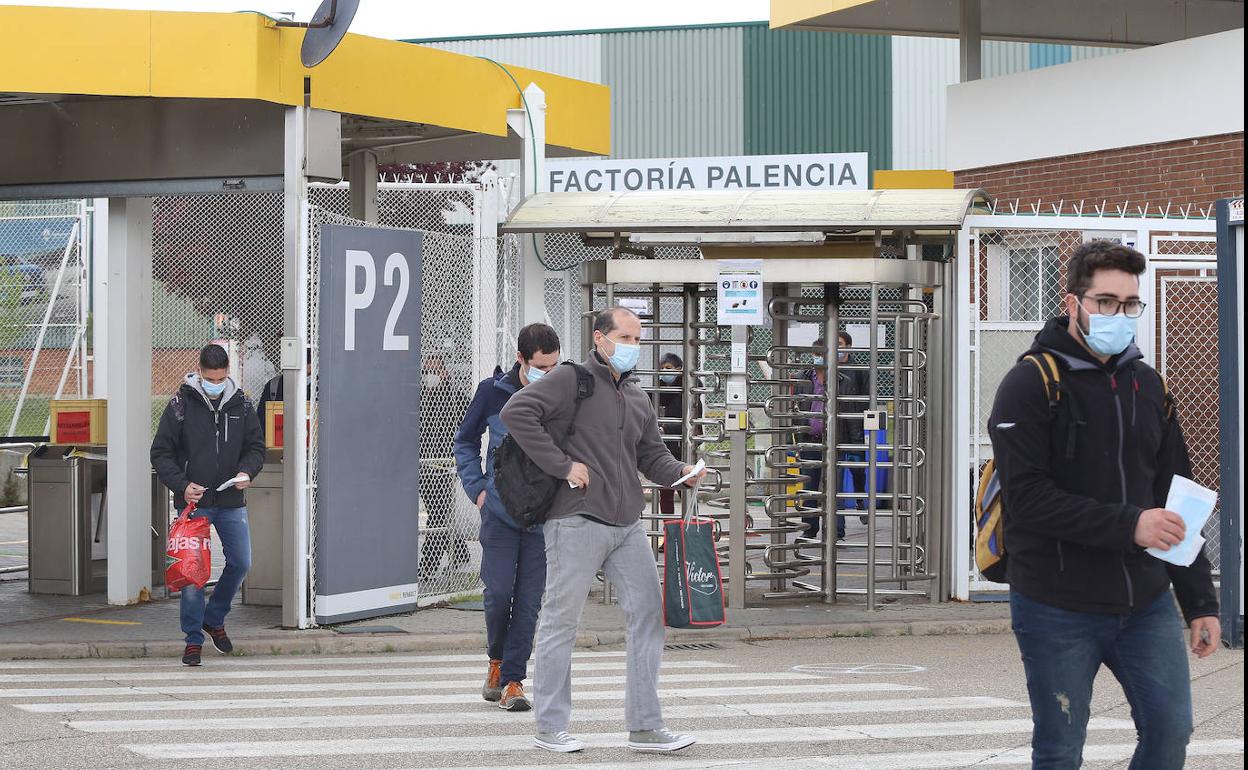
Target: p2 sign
(369,429)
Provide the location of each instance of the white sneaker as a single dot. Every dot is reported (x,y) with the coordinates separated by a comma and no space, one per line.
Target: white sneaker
(561,742)
(661,741)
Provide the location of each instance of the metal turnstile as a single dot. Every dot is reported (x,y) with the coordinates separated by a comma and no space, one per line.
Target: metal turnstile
(67,528)
(754,491)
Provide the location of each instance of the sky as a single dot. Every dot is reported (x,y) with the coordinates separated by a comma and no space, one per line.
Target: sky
(407,19)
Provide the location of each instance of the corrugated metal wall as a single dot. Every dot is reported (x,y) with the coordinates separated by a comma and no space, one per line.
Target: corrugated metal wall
(675,93)
(745,89)
(923,67)
(998,58)
(818,92)
(574,56)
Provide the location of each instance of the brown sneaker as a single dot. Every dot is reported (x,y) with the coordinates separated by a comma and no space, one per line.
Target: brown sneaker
(493,689)
(513,698)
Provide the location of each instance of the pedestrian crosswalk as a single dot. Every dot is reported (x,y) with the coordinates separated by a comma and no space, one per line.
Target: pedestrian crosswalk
(425,711)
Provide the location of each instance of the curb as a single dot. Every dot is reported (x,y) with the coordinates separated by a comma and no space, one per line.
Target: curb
(322,643)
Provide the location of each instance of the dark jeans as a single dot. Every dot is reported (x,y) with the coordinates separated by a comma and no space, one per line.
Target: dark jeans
(235,537)
(437,489)
(813,483)
(1062,652)
(513,569)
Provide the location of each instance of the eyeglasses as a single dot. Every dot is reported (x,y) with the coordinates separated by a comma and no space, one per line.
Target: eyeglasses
(1131,308)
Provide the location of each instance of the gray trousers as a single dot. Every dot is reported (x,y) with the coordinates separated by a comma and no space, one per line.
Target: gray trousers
(576,548)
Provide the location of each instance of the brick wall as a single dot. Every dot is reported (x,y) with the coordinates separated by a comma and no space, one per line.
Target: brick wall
(1190,171)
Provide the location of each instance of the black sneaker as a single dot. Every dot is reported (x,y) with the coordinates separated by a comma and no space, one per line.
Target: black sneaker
(219,639)
(190,657)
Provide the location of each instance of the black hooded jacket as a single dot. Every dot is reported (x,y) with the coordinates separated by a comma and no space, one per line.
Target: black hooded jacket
(1070,521)
(206,444)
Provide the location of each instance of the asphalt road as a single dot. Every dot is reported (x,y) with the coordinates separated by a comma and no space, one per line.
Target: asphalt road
(873,703)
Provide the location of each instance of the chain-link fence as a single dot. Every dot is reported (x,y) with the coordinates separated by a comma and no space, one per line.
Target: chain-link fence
(43,322)
(218,263)
(1017,271)
(1186,353)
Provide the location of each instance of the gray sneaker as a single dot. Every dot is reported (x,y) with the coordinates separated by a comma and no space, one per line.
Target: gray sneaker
(561,742)
(661,741)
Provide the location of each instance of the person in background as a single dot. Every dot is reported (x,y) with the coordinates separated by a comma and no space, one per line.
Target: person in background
(1085,481)
(208,435)
(439,396)
(513,560)
(849,430)
(672,406)
(275,390)
(853,382)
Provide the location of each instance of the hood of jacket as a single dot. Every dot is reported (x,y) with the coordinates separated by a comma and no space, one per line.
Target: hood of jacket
(196,384)
(508,382)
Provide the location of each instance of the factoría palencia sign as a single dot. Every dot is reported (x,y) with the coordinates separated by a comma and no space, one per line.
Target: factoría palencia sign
(822,171)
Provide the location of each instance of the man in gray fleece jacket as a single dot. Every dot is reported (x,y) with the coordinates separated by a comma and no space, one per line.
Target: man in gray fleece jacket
(594,523)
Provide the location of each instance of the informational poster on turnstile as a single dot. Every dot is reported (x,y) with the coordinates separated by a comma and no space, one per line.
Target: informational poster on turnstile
(368,439)
(739,295)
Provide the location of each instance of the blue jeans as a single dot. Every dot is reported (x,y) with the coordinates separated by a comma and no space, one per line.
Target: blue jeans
(1062,652)
(513,569)
(232,530)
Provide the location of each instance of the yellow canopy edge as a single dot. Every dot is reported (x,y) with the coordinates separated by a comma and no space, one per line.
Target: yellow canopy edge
(787,12)
(246,56)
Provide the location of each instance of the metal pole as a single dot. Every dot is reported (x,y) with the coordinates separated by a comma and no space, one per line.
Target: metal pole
(296,543)
(871,436)
(831,434)
(737,423)
(969,31)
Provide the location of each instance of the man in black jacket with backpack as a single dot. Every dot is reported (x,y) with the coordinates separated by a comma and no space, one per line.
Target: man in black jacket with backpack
(208,435)
(1086,454)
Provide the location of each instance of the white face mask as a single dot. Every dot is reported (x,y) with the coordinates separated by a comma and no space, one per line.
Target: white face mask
(431,380)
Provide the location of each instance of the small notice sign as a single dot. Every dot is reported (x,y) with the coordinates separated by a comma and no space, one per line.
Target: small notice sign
(740,293)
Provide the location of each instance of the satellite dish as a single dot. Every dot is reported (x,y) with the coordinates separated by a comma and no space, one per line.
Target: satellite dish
(325,31)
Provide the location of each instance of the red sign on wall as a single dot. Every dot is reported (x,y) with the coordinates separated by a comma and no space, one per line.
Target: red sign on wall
(73,427)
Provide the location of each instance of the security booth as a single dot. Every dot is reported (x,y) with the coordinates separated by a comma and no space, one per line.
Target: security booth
(129,106)
(740,285)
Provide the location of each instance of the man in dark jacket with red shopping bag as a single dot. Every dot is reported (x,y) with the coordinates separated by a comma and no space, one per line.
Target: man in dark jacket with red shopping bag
(209,435)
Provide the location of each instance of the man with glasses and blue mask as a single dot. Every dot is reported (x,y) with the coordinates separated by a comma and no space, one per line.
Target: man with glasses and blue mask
(513,560)
(1085,469)
(209,435)
(594,524)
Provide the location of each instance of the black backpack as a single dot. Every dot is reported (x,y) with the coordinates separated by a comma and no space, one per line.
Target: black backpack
(526,490)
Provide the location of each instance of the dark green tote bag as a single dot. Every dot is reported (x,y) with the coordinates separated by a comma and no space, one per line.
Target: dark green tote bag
(693,589)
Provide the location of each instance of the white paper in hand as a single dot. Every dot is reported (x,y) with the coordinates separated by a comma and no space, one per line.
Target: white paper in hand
(232,482)
(701,466)
(1194,504)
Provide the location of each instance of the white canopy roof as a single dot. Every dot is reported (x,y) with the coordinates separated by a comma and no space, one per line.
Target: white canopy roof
(724,211)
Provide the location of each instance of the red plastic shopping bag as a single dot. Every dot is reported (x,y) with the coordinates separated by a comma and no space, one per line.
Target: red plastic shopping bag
(189,561)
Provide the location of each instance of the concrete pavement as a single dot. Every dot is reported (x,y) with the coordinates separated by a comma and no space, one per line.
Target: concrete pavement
(858,704)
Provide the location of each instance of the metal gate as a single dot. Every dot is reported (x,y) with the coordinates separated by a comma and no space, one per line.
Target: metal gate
(1012,269)
(881,482)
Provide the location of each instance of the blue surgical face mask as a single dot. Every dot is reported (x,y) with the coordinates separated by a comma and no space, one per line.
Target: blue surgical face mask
(213,389)
(668,378)
(624,359)
(534,374)
(820,360)
(1108,335)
